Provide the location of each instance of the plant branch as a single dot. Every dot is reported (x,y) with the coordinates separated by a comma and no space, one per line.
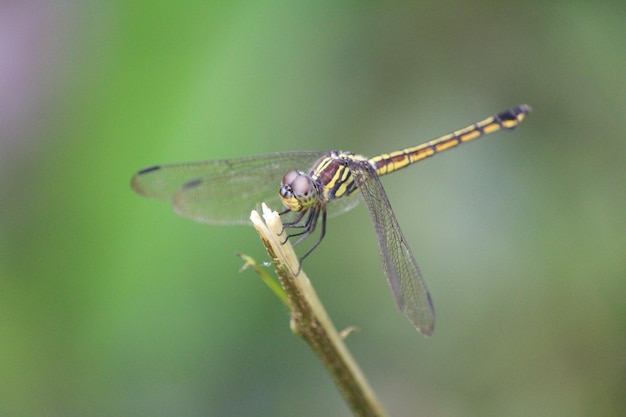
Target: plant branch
(310,321)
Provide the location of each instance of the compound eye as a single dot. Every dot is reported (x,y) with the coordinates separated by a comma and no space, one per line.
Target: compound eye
(290,177)
(302,187)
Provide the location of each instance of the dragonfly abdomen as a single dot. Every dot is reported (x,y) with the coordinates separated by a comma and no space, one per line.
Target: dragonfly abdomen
(389,162)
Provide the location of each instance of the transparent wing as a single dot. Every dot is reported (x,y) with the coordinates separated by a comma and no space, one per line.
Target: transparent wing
(225,191)
(403,275)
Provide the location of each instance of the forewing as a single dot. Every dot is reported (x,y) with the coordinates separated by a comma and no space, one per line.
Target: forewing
(222,191)
(403,275)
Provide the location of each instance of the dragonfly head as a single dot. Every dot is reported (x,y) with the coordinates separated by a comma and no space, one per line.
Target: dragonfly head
(297,191)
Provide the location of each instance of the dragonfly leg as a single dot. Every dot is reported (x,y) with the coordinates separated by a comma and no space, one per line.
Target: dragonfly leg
(309,226)
(306,228)
(285,211)
(292,224)
(319,240)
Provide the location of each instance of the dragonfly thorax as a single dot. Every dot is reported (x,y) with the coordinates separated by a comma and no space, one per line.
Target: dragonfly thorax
(298,192)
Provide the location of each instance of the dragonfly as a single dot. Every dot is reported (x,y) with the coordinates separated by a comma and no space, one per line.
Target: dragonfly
(223,192)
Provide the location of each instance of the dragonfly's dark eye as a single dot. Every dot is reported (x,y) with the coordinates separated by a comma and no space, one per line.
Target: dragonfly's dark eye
(297,191)
(290,177)
(302,187)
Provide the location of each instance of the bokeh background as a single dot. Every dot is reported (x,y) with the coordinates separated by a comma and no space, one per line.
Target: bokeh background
(111,305)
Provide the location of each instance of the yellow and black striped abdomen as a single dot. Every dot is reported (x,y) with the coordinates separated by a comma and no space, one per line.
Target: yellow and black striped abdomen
(334,179)
(390,162)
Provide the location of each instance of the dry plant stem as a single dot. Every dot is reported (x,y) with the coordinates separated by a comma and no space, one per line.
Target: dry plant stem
(310,321)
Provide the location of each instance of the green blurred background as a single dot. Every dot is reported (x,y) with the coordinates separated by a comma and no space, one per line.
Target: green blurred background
(111,305)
